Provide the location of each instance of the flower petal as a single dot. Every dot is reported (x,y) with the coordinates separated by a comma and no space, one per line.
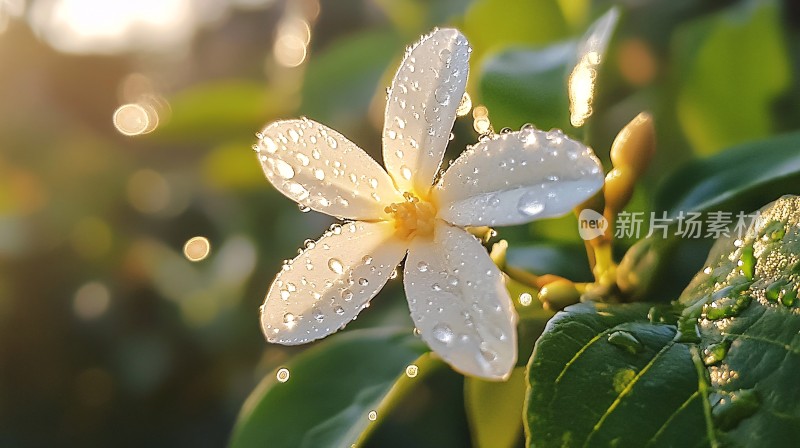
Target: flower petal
(518,177)
(459,303)
(327,285)
(421,108)
(320,168)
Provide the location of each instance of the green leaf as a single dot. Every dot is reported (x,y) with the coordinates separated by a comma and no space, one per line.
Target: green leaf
(552,86)
(722,374)
(746,309)
(341,81)
(494,25)
(595,370)
(331,390)
(219,111)
(742,176)
(523,85)
(735,66)
(494,410)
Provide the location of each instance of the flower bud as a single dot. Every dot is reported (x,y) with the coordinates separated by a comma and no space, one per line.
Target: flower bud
(638,268)
(635,145)
(618,188)
(559,294)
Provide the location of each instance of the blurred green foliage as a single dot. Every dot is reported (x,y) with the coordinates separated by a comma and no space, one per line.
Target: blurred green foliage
(110,336)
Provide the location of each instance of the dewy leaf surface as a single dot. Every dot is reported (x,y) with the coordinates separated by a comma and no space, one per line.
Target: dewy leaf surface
(722,374)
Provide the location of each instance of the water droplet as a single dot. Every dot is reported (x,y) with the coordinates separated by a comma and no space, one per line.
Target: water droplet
(297,190)
(294,135)
(367,259)
(464,106)
(405,172)
(373,183)
(715,353)
(288,318)
(412,370)
(332,142)
(282,375)
(625,340)
(338,310)
(363,282)
(422,266)
(400,123)
(444,55)
(319,316)
(285,294)
(735,407)
(303,208)
(319,174)
(269,145)
(283,169)
(747,262)
(373,415)
(443,334)
(436,287)
(442,95)
(347,295)
(525,299)
(336,266)
(399,154)
(529,204)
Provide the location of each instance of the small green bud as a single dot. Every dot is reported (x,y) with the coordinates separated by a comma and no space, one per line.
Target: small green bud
(559,294)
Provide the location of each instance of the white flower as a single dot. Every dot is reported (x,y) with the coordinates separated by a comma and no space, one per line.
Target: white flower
(456,295)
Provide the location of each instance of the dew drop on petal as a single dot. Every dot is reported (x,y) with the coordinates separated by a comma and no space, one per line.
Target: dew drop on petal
(319,316)
(303,208)
(270,145)
(373,415)
(525,299)
(367,259)
(347,295)
(405,172)
(443,334)
(363,282)
(283,169)
(335,265)
(442,95)
(529,204)
(319,174)
(288,318)
(422,266)
(412,370)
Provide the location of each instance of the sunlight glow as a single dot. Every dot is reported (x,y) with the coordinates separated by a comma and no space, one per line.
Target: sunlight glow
(591,52)
(197,248)
(102,26)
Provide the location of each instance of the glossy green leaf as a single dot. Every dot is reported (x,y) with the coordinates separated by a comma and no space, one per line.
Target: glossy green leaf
(219,111)
(341,81)
(734,67)
(521,86)
(597,367)
(744,177)
(746,310)
(494,410)
(331,390)
(495,25)
(721,374)
(551,86)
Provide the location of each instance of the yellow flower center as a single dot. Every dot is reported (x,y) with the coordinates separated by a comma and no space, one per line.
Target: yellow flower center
(412,218)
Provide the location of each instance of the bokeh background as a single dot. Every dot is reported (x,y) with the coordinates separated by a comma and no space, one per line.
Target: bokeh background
(126,130)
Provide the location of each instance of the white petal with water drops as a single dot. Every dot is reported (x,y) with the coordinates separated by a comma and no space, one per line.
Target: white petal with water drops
(460,304)
(327,285)
(517,177)
(421,108)
(323,170)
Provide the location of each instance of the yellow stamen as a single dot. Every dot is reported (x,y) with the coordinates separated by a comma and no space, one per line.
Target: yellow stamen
(412,218)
